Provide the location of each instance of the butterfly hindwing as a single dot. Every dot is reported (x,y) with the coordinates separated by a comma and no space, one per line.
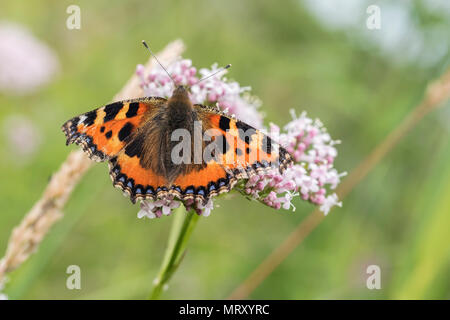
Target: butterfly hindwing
(138,183)
(203,183)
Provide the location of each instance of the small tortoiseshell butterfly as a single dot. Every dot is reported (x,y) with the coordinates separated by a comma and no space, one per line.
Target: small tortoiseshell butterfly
(134,136)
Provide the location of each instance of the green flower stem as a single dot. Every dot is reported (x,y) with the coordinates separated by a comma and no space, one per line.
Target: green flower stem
(182,227)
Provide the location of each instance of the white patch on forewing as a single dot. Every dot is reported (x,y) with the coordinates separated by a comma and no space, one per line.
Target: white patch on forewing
(82,118)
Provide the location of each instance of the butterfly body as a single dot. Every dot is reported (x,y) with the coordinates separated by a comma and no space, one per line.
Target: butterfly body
(136,138)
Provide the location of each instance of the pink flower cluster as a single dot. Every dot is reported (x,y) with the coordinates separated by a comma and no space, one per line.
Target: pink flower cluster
(23,138)
(312,175)
(26,63)
(217,90)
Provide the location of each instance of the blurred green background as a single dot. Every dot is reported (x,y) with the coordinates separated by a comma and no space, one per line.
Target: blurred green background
(316,56)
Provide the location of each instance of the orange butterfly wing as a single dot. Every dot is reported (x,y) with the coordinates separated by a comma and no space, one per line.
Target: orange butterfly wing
(108,132)
(204,183)
(138,183)
(103,132)
(247,150)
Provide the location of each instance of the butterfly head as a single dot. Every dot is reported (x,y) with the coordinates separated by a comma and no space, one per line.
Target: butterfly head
(180,90)
(180,93)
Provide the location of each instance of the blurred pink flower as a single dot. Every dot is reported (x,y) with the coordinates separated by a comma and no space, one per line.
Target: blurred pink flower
(228,95)
(26,63)
(22,136)
(311,177)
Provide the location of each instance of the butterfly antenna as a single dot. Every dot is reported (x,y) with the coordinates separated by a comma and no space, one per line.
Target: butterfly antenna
(213,74)
(154,56)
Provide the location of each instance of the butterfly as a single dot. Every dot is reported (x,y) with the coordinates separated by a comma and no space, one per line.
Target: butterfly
(135,137)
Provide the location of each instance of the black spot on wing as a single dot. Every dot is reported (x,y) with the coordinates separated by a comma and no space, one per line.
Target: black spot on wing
(134,148)
(246,132)
(111,111)
(121,178)
(212,186)
(189,190)
(160,188)
(90,118)
(138,189)
(74,121)
(224,123)
(221,144)
(267,144)
(132,109)
(125,131)
(223,182)
(130,183)
(283,154)
(150,190)
(108,135)
(201,191)
(102,129)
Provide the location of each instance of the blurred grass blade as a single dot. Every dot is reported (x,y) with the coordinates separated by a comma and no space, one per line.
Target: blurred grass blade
(430,251)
